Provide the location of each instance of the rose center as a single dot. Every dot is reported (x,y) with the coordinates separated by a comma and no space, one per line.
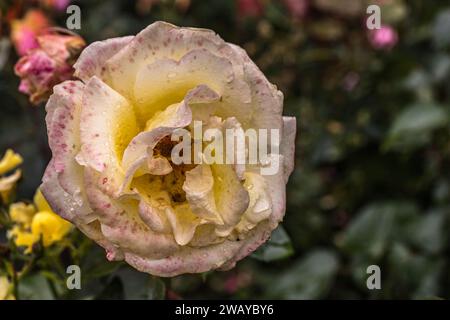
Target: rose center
(172,182)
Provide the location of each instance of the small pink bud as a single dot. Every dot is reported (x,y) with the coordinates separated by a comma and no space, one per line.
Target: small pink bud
(384,38)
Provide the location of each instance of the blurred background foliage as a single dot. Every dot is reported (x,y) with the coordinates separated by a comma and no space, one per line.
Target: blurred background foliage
(372,176)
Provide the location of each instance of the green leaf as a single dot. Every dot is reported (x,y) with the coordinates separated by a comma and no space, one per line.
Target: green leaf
(278,247)
(112,291)
(156,289)
(441,29)
(309,278)
(415,275)
(375,226)
(141,286)
(414,125)
(35,287)
(427,233)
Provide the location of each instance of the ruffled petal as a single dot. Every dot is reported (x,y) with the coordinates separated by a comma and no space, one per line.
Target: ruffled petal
(141,147)
(266,105)
(232,198)
(108,124)
(159,40)
(183,222)
(93,58)
(186,260)
(121,224)
(199,188)
(260,206)
(167,81)
(174,117)
(62,202)
(64,108)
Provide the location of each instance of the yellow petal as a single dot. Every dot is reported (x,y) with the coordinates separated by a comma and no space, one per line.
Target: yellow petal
(108,124)
(183,223)
(167,81)
(260,206)
(232,198)
(199,188)
(92,60)
(9,161)
(22,213)
(50,226)
(159,40)
(40,202)
(7,184)
(23,238)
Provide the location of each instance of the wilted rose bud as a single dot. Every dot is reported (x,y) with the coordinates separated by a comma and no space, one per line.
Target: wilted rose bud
(49,64)
(24,31)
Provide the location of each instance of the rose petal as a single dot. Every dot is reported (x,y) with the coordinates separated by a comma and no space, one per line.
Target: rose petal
(93,231)
(93,58)
(186,260)
(174,117)
(232,198)
(183,222)
(62,202)
(260,206)
(107,125)
(166,81)
(159,166)
(287,147)
(199,190)
(254,239)
(121,224)
(153,203)
(153,216)
(64,108)
(140,148)
(158,40)
(267,102)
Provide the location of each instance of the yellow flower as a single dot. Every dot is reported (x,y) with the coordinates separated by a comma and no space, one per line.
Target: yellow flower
(22,213)
(37,221)
(23,238)
(5,289)
(9,161)
(50,226)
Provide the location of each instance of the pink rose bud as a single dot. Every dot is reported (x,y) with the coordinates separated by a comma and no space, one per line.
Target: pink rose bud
(384,38)
(24,31)
(47,65)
